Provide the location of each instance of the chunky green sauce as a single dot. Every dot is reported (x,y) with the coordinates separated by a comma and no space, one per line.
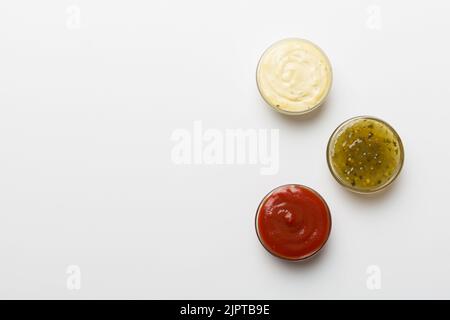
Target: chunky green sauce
(365,154)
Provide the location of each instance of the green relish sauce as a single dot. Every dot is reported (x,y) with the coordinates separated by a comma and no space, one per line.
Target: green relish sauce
(365,154)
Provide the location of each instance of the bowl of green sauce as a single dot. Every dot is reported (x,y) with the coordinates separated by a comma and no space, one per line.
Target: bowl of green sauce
(365,154)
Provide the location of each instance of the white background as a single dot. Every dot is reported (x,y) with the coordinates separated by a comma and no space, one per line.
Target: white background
(86,177)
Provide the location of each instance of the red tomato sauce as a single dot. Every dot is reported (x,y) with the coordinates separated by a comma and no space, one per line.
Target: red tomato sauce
(293,222)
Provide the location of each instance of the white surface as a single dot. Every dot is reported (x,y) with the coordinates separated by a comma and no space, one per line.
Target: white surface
(86,176)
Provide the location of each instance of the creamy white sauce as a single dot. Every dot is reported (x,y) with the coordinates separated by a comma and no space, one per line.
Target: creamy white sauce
(294,76)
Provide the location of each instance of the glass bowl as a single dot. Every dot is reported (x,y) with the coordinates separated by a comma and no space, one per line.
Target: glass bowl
(293,222)
(294,76)
(365,154)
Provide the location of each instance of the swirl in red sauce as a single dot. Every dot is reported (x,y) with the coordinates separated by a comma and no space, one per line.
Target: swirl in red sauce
(293,222)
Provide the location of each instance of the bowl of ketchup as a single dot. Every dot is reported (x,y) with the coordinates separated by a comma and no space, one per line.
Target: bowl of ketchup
(293,222)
